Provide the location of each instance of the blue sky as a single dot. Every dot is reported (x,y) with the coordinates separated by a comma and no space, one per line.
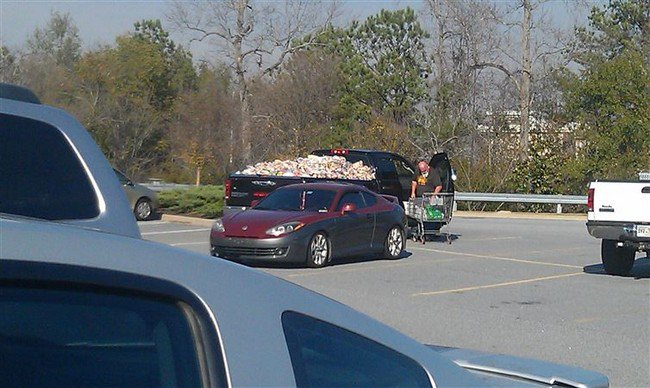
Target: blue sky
(100,21)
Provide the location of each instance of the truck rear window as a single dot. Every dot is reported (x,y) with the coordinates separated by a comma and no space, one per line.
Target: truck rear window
(40,174)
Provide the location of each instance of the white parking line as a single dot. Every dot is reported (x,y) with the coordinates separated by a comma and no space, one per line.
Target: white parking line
(335,271)
(176,231)
(516,282)
(147,223)
(496,258)
(191,243)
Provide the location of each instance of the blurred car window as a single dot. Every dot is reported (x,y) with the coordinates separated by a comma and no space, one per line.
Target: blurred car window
(285,199)
(370,199)
(79,337)
(316,200)
(325,355)
(40,176)
(297,200)
(353,197)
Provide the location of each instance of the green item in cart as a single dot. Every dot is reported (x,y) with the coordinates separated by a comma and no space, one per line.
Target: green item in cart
(433,213)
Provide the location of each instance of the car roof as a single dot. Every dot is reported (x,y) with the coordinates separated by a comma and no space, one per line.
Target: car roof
(247,303)
(115,214)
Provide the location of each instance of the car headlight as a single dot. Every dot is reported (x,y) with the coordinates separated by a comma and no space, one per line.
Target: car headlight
(285,228)
(218,225)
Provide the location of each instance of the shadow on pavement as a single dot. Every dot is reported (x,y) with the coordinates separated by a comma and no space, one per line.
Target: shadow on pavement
(439,238)
(641,269)
(334,263)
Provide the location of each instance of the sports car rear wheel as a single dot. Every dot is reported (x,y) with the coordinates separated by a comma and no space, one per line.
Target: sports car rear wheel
(319,251)
(394,243)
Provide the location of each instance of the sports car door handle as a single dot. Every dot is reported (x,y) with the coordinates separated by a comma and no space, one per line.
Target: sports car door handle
(369,217)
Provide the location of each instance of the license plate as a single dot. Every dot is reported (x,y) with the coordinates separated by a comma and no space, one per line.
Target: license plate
(642,231)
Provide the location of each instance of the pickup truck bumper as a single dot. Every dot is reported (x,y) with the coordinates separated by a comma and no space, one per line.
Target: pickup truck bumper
(290,248)
(618,231)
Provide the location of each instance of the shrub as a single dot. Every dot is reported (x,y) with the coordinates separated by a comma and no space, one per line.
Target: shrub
(202,201)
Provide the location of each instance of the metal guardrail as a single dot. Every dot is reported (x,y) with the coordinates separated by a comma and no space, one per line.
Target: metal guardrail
(164,186)
(558,200)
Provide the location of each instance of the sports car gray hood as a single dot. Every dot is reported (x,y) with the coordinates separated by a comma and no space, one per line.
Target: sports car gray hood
(502,370)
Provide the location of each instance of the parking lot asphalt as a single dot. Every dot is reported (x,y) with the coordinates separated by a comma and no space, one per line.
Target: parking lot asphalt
(531,288)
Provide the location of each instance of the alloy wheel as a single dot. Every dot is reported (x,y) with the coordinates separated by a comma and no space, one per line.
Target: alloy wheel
(143,210)
(394,243)
(319,249)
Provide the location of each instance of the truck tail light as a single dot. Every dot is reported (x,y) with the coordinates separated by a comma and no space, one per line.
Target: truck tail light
(590,200)
(228,186)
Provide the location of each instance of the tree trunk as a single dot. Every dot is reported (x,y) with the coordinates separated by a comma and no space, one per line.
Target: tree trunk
(198,176)
(524,89)
(439,55)
(240,70)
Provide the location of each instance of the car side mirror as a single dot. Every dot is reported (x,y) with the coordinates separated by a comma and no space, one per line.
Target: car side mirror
(130,183)
(254,202)
(348,208)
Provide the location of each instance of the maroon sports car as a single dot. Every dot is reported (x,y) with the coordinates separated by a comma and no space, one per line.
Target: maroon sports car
(312,223)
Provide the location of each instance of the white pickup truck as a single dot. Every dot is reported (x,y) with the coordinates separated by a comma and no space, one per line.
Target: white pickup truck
(619,214)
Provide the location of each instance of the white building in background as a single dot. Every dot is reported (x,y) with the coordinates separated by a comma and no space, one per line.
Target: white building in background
(506,125)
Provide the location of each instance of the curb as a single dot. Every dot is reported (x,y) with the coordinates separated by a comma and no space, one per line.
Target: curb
(523,216)
(187,220)
(460,214)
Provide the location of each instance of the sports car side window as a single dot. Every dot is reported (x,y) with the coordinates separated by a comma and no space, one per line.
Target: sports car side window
(40,174)
(351,197)
(325,355)
(370,199)
(85,337)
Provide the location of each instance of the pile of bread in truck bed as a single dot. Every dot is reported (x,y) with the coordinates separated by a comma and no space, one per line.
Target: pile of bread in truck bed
(330,167)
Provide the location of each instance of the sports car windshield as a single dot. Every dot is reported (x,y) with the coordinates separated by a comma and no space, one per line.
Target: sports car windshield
(297,200)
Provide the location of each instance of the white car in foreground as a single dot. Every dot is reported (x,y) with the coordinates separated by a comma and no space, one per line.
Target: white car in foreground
(86,302)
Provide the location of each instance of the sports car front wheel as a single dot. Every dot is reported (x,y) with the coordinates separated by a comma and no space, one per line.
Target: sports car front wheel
(394,244)
(318,253)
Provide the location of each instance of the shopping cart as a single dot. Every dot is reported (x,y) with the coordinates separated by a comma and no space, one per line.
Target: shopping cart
(430,213)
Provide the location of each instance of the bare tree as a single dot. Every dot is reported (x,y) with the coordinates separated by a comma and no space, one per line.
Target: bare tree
(253,36)
(9,70)
(539,42)
(296,108)
(465,33)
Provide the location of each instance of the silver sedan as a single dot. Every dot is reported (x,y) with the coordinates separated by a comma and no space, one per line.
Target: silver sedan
(81,307)
(142,200)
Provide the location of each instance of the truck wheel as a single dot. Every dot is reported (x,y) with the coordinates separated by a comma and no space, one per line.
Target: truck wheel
(318,253)
(616,260)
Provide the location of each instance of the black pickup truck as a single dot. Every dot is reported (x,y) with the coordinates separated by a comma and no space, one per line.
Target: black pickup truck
(393,176)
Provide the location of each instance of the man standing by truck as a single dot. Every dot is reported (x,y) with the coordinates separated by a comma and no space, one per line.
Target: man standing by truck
(425,181)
